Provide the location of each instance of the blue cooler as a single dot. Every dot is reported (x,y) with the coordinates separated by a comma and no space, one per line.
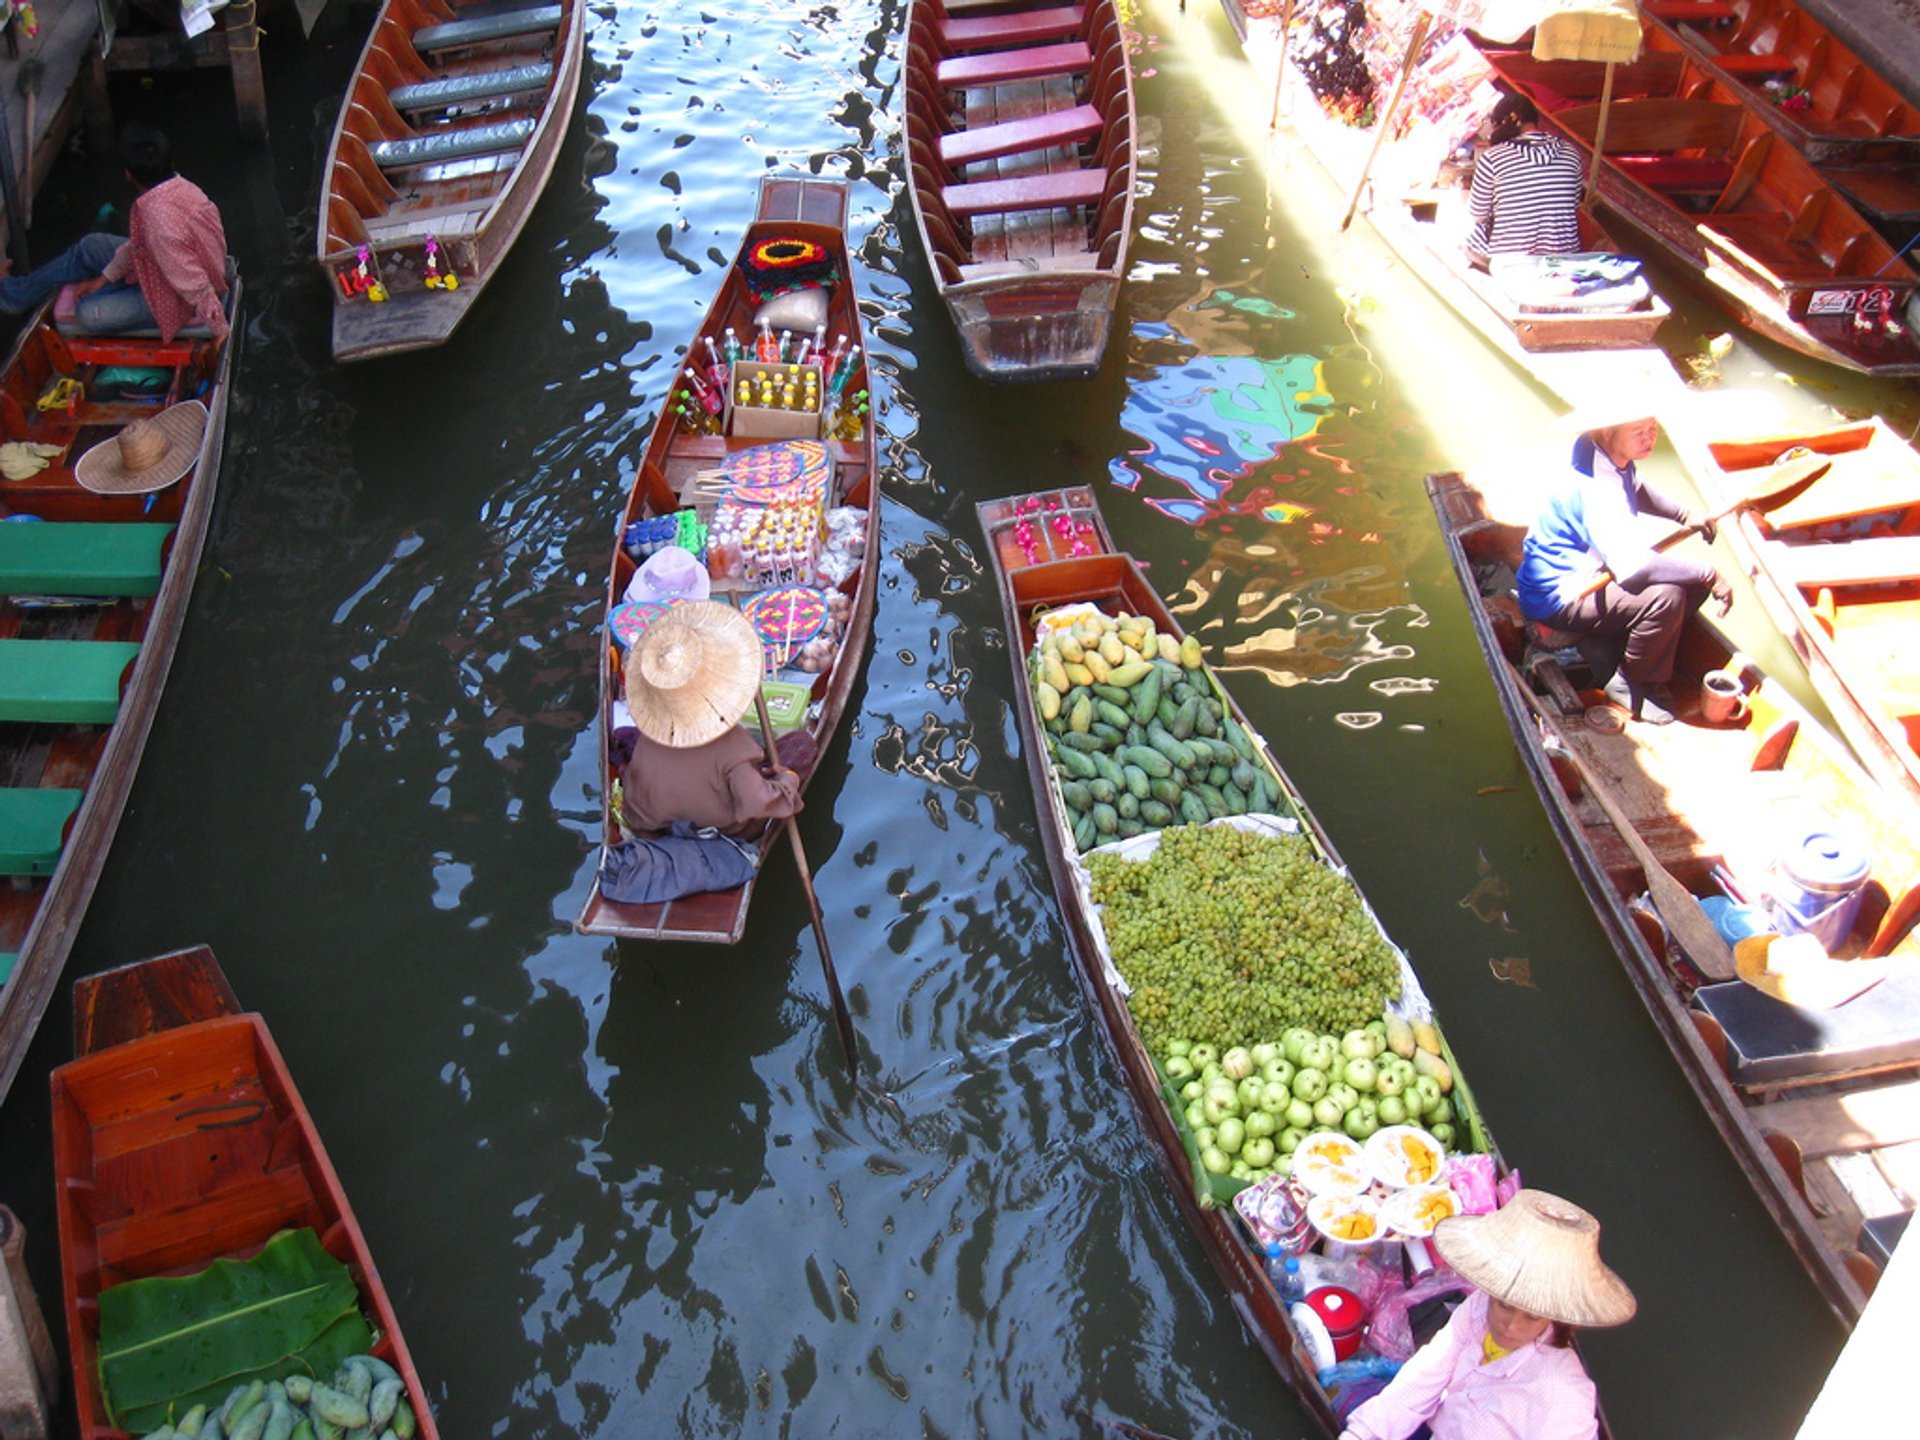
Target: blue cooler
(1817,885)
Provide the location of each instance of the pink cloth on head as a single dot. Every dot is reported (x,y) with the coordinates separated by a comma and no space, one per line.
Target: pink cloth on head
(177,251)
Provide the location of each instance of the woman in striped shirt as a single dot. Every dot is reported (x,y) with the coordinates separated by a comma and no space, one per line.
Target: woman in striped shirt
(1526,188)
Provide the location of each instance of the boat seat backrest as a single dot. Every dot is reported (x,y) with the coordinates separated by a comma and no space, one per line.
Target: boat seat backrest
(391,70)
(502,25)
(447,145)
(1771,1043)
(369,98)
(1659,127)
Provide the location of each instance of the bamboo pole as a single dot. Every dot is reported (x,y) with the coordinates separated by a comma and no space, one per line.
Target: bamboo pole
(1414,42)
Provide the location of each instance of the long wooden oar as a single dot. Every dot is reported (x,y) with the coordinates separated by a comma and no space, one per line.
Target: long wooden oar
(842,1018)
(1678,906)
(1780,486)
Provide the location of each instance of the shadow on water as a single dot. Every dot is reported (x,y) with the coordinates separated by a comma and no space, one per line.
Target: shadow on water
(627,1190)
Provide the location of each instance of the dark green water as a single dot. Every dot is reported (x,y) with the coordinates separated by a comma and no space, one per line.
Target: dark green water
(628,1192)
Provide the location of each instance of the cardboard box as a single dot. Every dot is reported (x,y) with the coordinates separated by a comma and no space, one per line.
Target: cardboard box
(773,424)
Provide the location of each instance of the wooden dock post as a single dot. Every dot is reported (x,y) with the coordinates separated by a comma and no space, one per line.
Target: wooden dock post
(29,1368)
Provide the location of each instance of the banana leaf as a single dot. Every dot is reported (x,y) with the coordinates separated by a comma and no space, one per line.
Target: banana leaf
(177,1338)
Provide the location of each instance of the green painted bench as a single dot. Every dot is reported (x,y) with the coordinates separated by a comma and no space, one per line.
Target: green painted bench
(33,829)
(63,682)
(455,33)
(77,558)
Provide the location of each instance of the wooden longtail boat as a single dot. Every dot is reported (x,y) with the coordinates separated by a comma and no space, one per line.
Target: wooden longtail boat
(1848,110)
(91,602)
(447,135)
(179,1139)
(1837,572)
(1817,1105)
(675,455)
(1040,573)
(1696,174)
(1020,161)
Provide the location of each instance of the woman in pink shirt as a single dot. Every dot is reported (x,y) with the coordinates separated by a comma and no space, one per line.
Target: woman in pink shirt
(1503,1367)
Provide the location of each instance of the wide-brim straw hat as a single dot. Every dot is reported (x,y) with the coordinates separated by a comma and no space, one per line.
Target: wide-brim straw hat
(1540,1254)
(1623,407)
(1796,970)
(146,455)
(693,674)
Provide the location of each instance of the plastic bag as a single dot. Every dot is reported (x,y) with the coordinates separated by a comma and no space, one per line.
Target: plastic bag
(1472,1178)
(1390,1332)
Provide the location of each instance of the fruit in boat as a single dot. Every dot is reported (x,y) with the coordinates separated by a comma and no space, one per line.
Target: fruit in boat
(1400,1037)
(1425,1062)
(1309,1084)
(1426,1037)
(1389,1081)
(1360,1045)
(1258,1152)
(1230,1134)
(1237,1063)
(1361,1074)
(1393,1110)
(1423,1095)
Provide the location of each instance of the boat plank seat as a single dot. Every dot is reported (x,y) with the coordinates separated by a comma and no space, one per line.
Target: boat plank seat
(1770,1043)
(1689,12)
(1658,126)
(33,828)
(462,144)
(1875,560)
(8,959)
(1764,242)
(503,26)
(1052,23)
(1031,265)
(1823,1125)
(1755,67)
(63,682)
(1027,192)
(1678,174)
(1884,194)
(1011,137)
(81,558)
(460,89)
(1002,66)
(224,1220)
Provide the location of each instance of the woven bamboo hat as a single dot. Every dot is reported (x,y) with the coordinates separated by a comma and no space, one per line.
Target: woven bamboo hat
(693,674)
(1540,1254)
(145,455)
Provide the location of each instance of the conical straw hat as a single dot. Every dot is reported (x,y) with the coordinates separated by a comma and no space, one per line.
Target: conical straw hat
(1540,1254)
(693,674)
(147,454)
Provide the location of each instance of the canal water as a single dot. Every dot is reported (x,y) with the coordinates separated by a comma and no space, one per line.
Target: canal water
(628,1191)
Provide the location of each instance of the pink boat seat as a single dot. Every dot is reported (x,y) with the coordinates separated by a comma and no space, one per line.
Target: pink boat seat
(1011,137)
(1003,66)
(1677,174)
(1023,27)
(1028,192)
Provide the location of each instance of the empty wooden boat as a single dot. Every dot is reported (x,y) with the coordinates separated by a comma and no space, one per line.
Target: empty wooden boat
(1020,161)
(1053,550)
(180,1139)
(93,590)
(1818,1105)
(1694,173)
(672,476)
(447,135)
(1839,573)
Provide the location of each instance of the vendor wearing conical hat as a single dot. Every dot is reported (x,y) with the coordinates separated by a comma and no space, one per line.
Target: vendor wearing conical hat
(1503,1368)
(1589,571)
(689,679)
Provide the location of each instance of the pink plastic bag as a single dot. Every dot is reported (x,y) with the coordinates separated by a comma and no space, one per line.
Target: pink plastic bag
(1472,1178)
(1391,1333)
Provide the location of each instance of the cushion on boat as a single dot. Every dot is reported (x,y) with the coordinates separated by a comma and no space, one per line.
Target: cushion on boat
(487,27)
(452,144)
(77,558)
(33,829)
(1770,1042)
(457,89)
(63,682)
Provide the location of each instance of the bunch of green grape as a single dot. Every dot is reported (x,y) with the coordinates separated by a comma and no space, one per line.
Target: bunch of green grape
(1226,935)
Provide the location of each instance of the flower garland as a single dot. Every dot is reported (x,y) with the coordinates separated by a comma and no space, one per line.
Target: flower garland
(1072,536)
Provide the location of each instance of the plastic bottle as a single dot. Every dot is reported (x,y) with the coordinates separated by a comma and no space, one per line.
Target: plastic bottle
(733,350)
(765,347)
(1284,1269)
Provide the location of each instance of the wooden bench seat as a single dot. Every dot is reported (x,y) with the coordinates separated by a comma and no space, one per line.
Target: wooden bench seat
(1028,192)
(1764,240)
(1688,12)
(1677,174)
(1770,1043)
(1031,265)
(63,682)
(508,23)
(460,89)
(1755,67)
(1021,27)
(462,144)
(1005,65)
(1013,137)
(33,829)
(1877,560)
(79,558)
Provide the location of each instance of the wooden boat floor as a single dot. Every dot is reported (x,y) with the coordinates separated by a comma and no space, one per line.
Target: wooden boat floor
(1859,1149)
(1876,635)
(444,200)
(1031,234)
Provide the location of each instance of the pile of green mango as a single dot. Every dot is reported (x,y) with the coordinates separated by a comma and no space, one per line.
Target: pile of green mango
(1138,736)
(367,1398)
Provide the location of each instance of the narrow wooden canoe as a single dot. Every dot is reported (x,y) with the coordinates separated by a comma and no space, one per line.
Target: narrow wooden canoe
(1020,161)
(1817,1106)
(95,591)
(1695,174)
(179,1139)
(1839,573)
(808,209)
(1849,111)
(1041,573)
(447,135)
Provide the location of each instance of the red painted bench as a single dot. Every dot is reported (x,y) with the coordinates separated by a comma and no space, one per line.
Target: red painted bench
(1007,65)
(1029,192)
(1677,175)
(1011,137)
(1026,26)
(1688,12)
(1757,65)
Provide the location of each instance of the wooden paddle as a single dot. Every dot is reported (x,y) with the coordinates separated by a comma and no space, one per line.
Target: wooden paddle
(1780,486)
(1678,906)
(841,1016)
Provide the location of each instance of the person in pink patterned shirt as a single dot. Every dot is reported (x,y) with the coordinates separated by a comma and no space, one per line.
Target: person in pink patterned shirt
(170,273)
(1503,1367)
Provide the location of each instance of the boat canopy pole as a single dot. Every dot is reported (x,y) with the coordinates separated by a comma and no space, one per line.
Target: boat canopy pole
(1280,66)
(1600,134)
(1414,41)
